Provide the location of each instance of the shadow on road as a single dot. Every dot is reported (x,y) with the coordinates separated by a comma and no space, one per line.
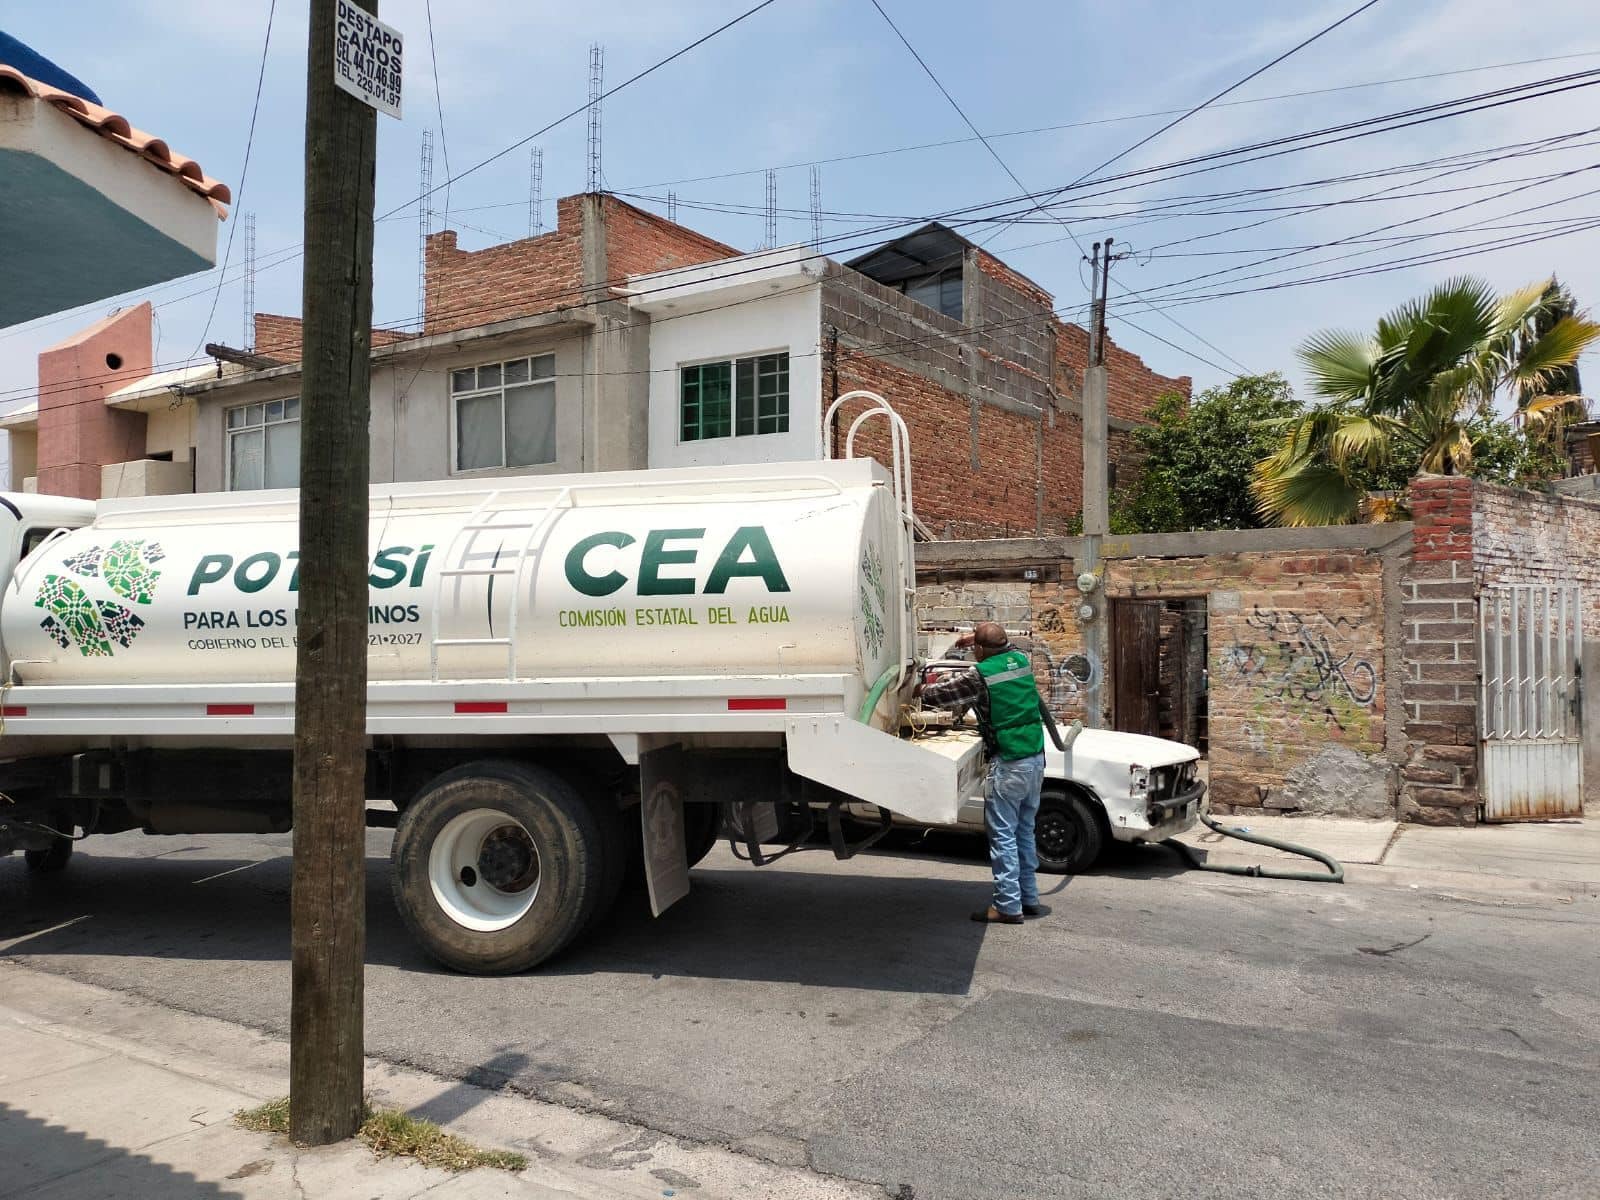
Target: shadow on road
(854,929)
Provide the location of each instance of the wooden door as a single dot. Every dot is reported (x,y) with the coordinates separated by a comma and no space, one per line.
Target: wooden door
(1136,666)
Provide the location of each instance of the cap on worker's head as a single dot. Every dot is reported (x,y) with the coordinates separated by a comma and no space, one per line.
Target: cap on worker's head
(989,634)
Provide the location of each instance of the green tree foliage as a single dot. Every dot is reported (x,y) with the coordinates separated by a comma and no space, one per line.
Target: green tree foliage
(1200,457)
(1419,394)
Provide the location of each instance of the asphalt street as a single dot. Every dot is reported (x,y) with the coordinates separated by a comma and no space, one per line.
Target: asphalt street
(1162,1034)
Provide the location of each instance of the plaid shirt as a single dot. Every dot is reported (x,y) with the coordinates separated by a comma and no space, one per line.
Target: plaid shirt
(962,690)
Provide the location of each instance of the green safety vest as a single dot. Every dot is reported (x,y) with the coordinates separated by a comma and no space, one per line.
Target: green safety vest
(1014,725)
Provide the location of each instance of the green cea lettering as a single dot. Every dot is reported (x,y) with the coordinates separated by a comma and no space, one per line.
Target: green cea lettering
(747,554)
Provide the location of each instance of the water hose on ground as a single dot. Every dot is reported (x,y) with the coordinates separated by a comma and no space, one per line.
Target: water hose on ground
(1335,867)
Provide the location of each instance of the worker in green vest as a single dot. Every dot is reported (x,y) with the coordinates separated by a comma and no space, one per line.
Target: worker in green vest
(1001,692)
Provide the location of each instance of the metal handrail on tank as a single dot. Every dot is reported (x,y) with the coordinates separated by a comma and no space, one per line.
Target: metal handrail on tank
(900,468)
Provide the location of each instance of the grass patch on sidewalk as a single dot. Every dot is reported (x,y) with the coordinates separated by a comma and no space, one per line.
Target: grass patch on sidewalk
(391,1133)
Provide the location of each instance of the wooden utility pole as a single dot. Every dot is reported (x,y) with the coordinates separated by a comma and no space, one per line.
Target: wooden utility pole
(330,700)
(1096,486)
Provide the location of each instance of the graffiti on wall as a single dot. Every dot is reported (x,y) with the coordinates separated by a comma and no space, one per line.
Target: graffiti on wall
(1299,659)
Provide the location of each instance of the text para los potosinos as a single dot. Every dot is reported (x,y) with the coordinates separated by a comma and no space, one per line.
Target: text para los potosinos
(392,567)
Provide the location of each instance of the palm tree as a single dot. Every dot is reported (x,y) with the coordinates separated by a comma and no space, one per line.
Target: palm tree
(1407,397)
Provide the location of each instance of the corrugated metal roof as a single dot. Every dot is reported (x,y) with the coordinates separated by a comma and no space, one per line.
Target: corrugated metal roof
(117,128)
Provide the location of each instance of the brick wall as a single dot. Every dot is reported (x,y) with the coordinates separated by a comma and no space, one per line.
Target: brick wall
(279,337)
(1301,656)
(498,283)
(995,452)
(1131,387)
(541,274)
(997,500)
(639,242)
(1440,655)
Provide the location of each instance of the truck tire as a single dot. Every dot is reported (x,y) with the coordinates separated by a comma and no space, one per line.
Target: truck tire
(52,858)
(1068,834)
(497,866)
(702,826)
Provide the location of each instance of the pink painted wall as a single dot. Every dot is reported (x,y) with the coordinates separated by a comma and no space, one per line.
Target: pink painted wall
(78,434)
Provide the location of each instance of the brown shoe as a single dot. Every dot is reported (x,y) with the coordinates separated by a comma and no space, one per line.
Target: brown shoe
(993,916)
(1036,910)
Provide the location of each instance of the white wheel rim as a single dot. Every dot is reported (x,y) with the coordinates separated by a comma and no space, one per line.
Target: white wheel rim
(484,869)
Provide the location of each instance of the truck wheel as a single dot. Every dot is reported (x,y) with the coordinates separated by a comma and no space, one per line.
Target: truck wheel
(53,858)
(1067,834)
(702,826)
(497,866)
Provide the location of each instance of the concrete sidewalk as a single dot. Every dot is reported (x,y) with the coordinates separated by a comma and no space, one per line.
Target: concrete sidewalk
(1550,857)
(107,1095)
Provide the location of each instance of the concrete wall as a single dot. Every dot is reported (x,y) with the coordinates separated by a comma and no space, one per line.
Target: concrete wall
(170,430)
(1304,658)
(789,320)
(412,434)
(78,434)
(23,446)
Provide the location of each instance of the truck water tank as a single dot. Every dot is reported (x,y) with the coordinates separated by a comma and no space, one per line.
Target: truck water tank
(777,568)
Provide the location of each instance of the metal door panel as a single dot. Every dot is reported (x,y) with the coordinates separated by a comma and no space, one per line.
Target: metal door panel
(1530,642)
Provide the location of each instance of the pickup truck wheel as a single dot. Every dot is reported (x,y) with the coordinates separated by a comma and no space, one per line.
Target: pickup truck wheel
(52,858)
(1067,834)
(497,866)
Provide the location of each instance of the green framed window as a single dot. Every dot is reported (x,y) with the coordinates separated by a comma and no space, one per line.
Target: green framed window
(737,397)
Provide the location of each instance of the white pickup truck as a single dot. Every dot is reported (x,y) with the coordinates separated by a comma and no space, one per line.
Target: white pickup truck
(1105,786)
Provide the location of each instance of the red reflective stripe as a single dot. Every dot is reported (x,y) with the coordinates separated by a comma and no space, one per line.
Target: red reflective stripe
(757,704)
(230,710)
(14,710)
(480,706)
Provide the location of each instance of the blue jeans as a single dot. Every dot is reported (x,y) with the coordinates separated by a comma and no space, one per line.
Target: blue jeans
(1012,809)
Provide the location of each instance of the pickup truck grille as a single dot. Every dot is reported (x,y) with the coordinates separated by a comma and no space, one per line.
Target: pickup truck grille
(1167,782)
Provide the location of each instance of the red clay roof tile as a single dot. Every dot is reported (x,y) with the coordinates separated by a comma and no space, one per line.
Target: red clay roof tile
(117,128)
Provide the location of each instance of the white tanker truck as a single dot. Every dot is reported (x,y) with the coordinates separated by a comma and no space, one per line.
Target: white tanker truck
(563,671)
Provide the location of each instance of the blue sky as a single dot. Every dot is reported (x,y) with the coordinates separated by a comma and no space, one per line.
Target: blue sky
(806,80)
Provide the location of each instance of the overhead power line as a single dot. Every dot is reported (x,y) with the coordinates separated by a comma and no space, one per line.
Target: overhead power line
(1004,166)
(584,108)
(1112,120)
(244,173)
(1232,87)
(438,106)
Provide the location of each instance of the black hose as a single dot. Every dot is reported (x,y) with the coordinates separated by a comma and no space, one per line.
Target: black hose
(1335,867)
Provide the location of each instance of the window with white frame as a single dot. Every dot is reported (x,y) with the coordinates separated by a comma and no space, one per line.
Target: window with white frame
(505,413)
(734,397)
(263,445)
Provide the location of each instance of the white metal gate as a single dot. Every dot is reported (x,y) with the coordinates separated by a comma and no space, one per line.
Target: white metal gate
(1530,642)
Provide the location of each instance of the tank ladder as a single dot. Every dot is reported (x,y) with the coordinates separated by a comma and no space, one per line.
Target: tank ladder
(485,519)
(900,452)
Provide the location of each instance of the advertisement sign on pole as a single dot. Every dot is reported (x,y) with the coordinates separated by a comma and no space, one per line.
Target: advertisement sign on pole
(367,58)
